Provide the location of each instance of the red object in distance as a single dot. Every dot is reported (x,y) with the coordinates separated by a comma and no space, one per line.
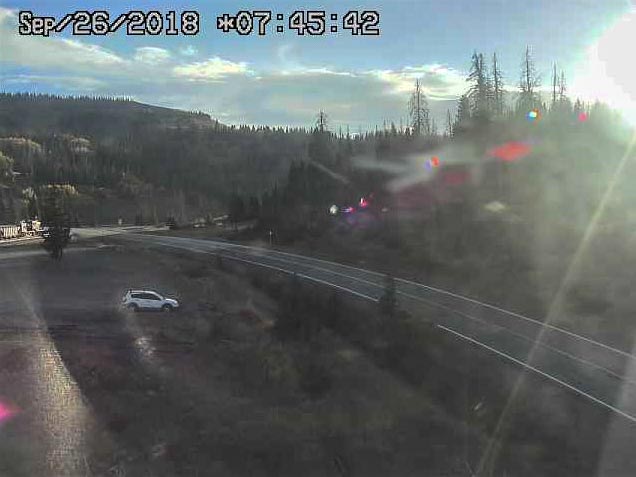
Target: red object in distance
(510,151)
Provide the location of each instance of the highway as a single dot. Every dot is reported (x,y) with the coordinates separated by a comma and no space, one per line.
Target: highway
(593,370)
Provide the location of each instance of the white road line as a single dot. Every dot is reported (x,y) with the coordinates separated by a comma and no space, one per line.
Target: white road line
(471,300)
(307,277)
(429,302)
(520,336)
(272,255)
(522,317)
(452,310)
(437,290)
(542,373)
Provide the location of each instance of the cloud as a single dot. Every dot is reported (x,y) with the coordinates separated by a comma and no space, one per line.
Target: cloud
(188,51)
(438,81)
(314,71)
(212,69)
(241,94)
(50,52)
(80,83)
(294,98)
(152,55)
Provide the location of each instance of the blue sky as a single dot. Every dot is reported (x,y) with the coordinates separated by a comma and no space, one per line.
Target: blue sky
(285,78)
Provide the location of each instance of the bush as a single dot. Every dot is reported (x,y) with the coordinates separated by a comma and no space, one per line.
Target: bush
(277,367)
(316,371)
(198,270)
(172,223)
(388,300)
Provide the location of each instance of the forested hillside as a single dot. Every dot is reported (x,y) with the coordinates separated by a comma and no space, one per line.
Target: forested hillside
(521,197)
(524,200)
(122,158)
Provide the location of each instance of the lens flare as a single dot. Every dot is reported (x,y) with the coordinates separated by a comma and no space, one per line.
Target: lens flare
(432,162)
(510,151)
(533,115)
(5,412)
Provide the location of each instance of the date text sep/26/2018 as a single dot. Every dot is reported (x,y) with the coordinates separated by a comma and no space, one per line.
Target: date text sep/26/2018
(153,22)
(100,22)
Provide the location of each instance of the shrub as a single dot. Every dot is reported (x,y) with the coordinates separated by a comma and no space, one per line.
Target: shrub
(316,370)
(388,300)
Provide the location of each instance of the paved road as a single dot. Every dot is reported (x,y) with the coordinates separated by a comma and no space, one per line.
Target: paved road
(591,369)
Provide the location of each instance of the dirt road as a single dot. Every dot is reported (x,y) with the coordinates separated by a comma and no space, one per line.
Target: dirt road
(76,372)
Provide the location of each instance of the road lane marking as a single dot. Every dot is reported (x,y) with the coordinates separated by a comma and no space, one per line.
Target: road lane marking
(542,373)
(221,246)
(517,315)
(307,277)
(184,246)
(434,289)
(520,336)
(458,312)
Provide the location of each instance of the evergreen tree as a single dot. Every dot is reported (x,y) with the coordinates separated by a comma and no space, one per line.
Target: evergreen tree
(497,85)
(6,169)
(321,122)
(478,93)
(562,88)
(434,131)
(579,107)
(56,223)
(236,209)
(419,112)
(529,82)
(388,300)
(554,87)
(253,208)
(463,116)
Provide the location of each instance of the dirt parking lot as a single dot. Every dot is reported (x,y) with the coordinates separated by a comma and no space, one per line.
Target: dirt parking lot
(89,389)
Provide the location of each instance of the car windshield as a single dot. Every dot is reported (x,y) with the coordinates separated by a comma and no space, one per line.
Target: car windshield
(279,238)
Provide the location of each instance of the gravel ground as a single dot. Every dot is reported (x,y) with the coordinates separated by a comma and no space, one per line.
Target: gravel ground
(89,389)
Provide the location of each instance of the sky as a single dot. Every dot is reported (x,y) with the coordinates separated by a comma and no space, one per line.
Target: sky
(359,81)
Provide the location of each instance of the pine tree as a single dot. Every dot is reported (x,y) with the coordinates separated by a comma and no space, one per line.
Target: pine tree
(419,112)
(478,91)
(528,84)
(236,209)
(57,223)
(579,107)
(498,92)
(554,86)
(562,88)
(463,117)
(388,300)
(321,122)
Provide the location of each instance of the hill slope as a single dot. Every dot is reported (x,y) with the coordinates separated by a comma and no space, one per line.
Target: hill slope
(43,114)
(132,158)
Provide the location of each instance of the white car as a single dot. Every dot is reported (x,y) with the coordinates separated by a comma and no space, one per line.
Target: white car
(137,300)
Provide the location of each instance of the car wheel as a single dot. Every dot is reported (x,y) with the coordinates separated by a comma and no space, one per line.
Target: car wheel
(133,307)
(166,308)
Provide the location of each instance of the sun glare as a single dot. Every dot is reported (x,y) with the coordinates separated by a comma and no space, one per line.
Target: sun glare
(605,74)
